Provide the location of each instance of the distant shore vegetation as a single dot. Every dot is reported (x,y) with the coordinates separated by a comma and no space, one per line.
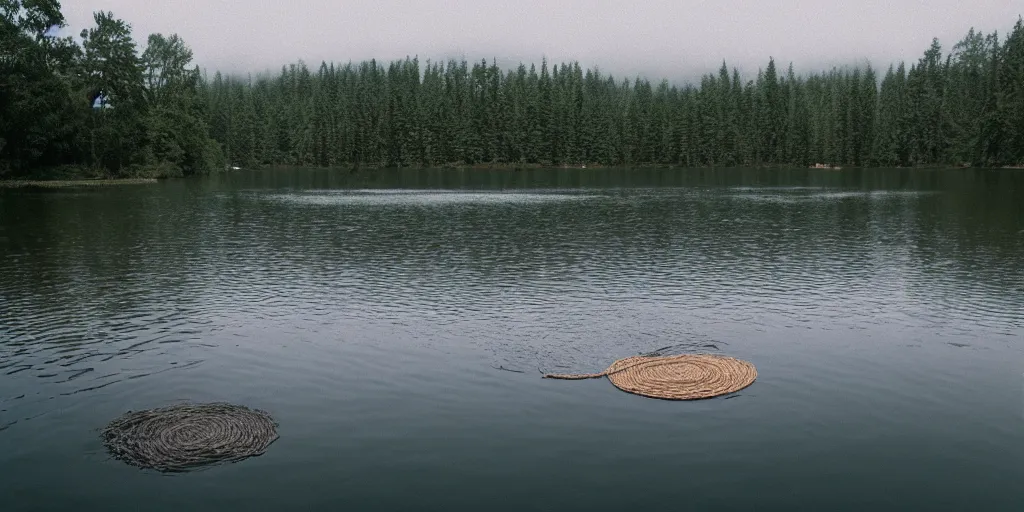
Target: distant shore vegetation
(100,106)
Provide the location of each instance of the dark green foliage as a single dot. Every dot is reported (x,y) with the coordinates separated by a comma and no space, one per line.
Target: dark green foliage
(1010,98)
(36,94)
(150,117)
(965,108)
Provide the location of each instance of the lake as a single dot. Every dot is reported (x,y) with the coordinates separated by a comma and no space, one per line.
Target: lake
(396,324)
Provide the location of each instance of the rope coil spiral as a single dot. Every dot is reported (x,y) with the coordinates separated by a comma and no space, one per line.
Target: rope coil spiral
(678,377)
(183,437)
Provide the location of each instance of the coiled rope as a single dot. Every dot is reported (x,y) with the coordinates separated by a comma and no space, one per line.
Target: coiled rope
(182,437)
(678,377)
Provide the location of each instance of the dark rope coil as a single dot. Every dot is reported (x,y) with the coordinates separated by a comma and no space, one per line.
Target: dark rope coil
(187,436)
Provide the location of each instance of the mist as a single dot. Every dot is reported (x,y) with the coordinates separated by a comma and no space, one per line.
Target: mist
(678,40)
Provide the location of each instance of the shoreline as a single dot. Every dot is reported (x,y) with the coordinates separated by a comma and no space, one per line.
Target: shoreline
(587,167)
(73,182)
(52,184)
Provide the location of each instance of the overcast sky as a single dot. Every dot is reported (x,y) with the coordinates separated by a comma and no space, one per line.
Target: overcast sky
(675,39)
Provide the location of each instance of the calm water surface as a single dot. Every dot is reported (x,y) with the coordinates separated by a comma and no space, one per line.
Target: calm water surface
(396,324)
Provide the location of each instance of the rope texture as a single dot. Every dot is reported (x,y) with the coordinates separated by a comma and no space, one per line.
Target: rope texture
(678,377)
(183,437)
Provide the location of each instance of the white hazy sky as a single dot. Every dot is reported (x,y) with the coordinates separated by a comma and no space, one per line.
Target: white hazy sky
(677,39)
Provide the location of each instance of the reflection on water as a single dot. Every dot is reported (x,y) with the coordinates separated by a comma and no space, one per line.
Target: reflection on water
(794,194)
(376,315)
(417,197)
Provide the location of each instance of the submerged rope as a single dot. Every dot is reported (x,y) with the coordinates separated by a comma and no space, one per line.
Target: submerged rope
(182,437)
(679,377)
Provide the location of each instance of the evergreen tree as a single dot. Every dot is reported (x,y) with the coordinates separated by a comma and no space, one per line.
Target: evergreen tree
(1011,97)
(106,105)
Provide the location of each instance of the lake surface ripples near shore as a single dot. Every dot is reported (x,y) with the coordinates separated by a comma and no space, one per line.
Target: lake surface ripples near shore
(396,324)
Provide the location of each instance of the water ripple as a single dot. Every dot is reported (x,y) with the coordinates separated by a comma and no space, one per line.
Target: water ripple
(102,295)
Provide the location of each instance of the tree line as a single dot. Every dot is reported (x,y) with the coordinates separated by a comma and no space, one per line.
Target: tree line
(100,106)
(104,105)
(962,108)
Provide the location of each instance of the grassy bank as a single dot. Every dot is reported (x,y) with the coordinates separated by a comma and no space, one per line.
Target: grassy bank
(50,184)
(65,176)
